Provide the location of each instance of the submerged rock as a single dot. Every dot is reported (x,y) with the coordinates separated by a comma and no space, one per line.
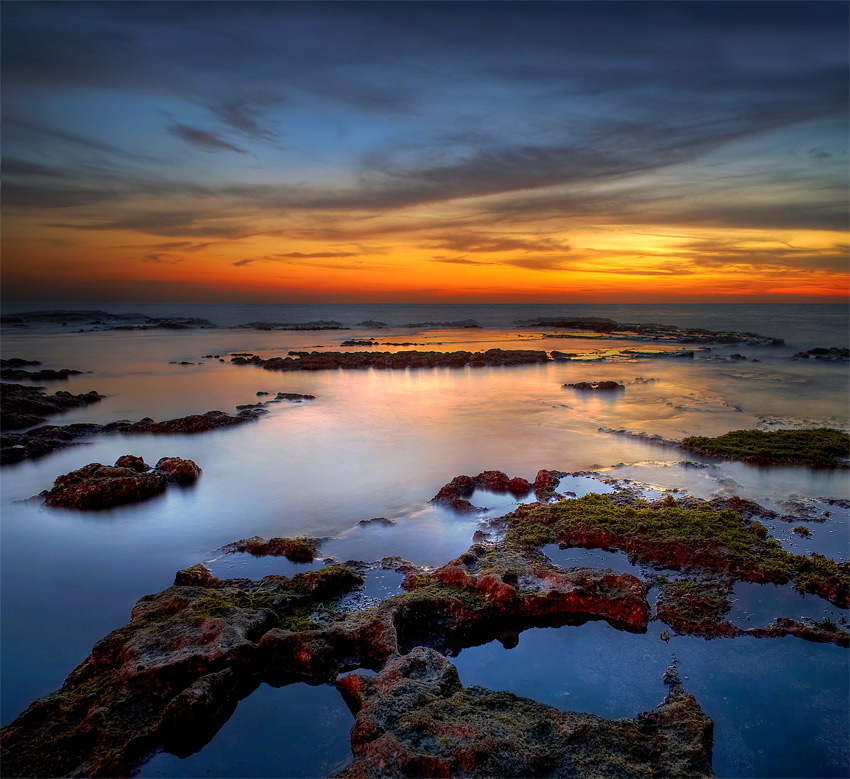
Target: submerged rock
(833,354)
(22,406)
(43,440)
(415,718)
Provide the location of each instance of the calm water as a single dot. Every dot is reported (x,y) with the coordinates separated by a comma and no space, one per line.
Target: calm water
(380,444)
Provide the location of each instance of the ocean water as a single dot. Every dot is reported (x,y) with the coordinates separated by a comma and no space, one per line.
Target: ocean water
(380,444)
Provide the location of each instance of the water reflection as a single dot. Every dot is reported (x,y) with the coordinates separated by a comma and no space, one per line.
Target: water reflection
(293,731)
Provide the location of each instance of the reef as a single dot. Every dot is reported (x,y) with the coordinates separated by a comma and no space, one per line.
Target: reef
(22,406)
(174,674)
(318,361)
(130,480)
(818,448)
(833,354)
(649,331)
(721,536)
(597,386)
(416,719)
(40,441)
(317,325)
(455,494)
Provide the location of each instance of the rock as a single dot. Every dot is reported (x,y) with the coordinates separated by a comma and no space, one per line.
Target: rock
(318,325)
(295,396)
(133,463)
(298,550)
(697,608)
(97,486)
(833,354)
(546,480)
(195,576)
(372,323)
(43,440)
(16,374)
(178,471)
(416,719)
(316,361)
(359,342)
(378,521)
(22,406)
(599,386)
(461,324)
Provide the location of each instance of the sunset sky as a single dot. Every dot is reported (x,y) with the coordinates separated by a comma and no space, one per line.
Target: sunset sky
(408,152)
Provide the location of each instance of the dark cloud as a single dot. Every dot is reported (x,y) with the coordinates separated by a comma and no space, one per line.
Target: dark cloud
(242,263)
(167,223)
(472,242)
(202,139)
(15,167)
(460,261)
(34,196)
(246,112)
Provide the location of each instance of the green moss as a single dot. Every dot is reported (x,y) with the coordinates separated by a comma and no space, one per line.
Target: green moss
(820,448)
(802,531)
(298,623)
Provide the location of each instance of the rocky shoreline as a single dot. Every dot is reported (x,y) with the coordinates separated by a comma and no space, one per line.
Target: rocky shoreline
(175,673)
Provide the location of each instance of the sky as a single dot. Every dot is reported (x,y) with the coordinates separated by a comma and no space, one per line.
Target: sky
(585,152)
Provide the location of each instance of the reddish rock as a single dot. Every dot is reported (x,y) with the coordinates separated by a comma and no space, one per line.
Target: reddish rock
(696,608)
(133,463)
(494,481)
(546,480)
(195,576)
(416,719)
(178,471)
(519,486)
(97,486)
(22,406)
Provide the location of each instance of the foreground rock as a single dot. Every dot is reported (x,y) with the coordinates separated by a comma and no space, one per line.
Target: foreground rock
(40,441)
(173,675)
(416,719)
(318,361)
(22,406)
(130,480)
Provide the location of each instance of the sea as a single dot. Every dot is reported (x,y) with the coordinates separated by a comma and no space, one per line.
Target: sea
(381,443)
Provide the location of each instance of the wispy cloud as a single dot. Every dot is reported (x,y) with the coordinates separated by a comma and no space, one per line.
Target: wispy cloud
(202,139)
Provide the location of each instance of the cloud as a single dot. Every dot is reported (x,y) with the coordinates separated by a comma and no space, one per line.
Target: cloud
(246,112)
(161,258)
(16,167)
(202,139)
(460,261)
(473,242)
(314,255)
(242,263)
(169,223)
